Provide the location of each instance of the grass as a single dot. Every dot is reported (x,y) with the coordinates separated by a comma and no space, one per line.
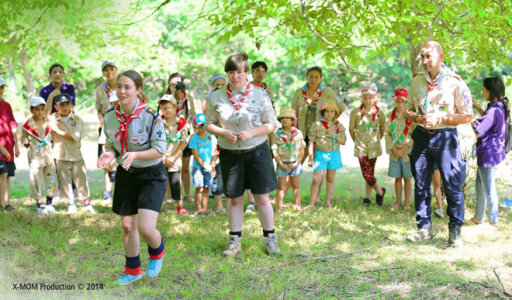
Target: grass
(344,252)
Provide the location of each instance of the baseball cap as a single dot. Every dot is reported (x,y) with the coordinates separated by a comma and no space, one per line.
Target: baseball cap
(62,98)
(2,81)
(36,101)
(199,120)
(107,63)
(368,88)
(401,93)
(167,98)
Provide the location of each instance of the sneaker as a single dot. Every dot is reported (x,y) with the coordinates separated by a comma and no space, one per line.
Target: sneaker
(221,210)
(128,278)
(271,244)
(251,208)
(182,211)
(72,209)
(439,213)
(421,234)
(154,267)
(380,199)
(234,246)
(366,202)
(107,198)
(454,236)
(51,209)
(89,209)
(41,210)
(200,214)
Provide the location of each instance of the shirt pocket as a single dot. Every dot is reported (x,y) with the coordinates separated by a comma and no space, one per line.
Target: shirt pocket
(224,112)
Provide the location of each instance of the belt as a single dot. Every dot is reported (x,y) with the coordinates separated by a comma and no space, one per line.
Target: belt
(433,131)
(133,170)
(241,151)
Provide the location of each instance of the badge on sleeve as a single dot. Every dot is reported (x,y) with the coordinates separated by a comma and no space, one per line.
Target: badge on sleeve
(73,123)
(159,134)
(466,94)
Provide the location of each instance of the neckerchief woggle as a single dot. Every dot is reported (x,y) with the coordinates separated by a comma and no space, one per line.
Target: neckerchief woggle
(123,125)
(367,128)
(238,105)
(287,143)
(33,132)
(309,102)
(393,128)
(333,138)
(181,124)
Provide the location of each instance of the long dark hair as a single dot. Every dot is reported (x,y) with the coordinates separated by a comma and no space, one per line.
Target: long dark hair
(173,75)
(496,89)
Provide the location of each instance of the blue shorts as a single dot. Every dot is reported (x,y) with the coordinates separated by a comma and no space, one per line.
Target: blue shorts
(201,178)
(297,171)
(399,168)
(327,160)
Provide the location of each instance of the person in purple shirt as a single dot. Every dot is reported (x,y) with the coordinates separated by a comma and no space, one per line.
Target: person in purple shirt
(490,147)
(56,86)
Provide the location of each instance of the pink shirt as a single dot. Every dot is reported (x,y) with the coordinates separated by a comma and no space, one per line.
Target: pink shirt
(7,125)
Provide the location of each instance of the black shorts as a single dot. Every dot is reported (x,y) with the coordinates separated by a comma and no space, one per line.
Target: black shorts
(7,167)
(252,170)
(187,152)
(100,146)
(175,184)
(139,188)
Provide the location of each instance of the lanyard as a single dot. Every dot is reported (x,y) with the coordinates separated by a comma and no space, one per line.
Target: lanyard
(123,128)
(238,105)
(333,138)
(287,143)
(393,128)
(33,132)
(367,127)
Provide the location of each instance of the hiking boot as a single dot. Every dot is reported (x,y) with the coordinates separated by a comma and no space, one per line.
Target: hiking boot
(421,234)
(439,213)
(234,246)
(366,202)
(454,236)
(251,208)
(271,244)
(128,278)
(380,199)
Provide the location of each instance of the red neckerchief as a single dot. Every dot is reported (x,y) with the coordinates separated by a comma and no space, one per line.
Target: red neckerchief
(263,85)
(406,130)
(123,125)
(43,141)
(326,126)
(238,105)
(309,101)
(283,136)
(107,89)
(373,117)
(184,105)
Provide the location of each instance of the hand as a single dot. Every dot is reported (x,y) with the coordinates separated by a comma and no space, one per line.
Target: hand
(231,136)
(282,166)
(290,167)
(16,151)
(128,159)
(6,153)
(311,160)
(214,171)
(399,153)
(420,119)
(208,168)
(245,135)
(168,162)
(105,159)
(54,93)
(431,121)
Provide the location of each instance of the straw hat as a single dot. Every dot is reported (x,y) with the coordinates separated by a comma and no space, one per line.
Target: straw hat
(287,112)
(330,103)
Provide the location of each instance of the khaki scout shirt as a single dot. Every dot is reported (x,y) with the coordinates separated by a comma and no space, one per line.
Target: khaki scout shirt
(64,149)
(400,124)
(255,111)
(367,143)
(173,142)
(300,106)
(320,136)
(37,156)
(450,96)
(144,132)
(285,153)
(102,100)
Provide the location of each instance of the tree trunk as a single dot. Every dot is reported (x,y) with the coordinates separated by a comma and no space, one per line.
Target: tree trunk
(31,91)
(11,81)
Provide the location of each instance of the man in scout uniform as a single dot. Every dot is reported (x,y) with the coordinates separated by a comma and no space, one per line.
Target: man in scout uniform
(67,129)
(438,101)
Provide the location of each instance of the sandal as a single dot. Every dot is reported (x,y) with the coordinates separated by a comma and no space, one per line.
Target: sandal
(394,207)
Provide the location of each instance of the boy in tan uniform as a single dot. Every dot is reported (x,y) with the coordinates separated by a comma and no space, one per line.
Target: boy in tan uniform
(36,137)
(67,133)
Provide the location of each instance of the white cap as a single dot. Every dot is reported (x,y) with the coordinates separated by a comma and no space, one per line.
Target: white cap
(107,63)
(113,97)
(36,101)
(2,81)
(368,88)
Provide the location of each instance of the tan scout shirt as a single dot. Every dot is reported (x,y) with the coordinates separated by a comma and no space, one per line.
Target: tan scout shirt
(174,141)
(64,149)
(450,95)
(296,143)
(255,111)
(300,106)
(367,143)
(102,100)
(38,156)
(400,124)
(320,135)
(144,132)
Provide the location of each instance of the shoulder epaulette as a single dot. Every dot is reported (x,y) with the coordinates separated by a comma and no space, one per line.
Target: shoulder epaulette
(152,111)
(111,109)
